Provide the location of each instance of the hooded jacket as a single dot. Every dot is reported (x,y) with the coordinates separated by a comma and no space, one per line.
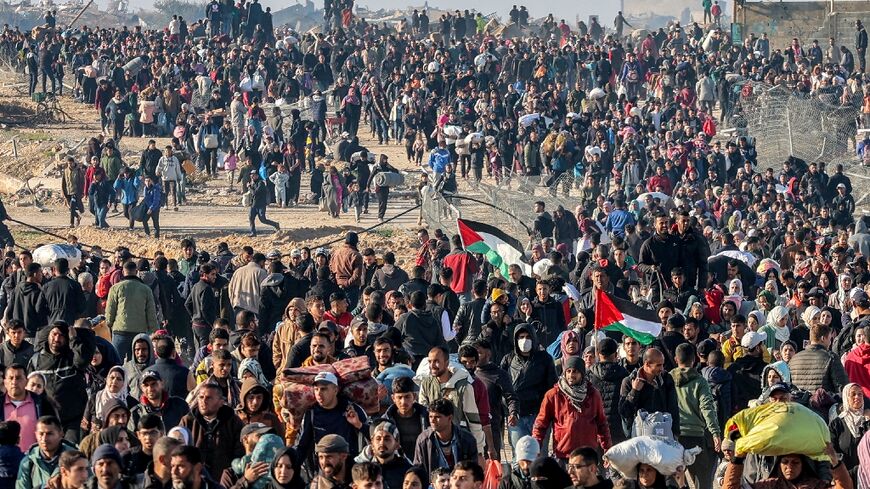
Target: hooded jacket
(23,305)
(607,378)
(696,403)
(658,395)
(572,427)
(264,414)
(171,410)
(64,372)
(458,389)
(532,375)
(427,453)
(133,369)
(389,277)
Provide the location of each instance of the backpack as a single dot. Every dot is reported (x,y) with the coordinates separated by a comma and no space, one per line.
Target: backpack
(657,424)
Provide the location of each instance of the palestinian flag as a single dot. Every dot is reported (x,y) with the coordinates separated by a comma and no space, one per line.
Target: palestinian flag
(615,314)
(500,249)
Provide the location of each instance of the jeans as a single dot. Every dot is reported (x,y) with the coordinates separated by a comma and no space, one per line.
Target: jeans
(381,129)
(155,218)
(123,343)
(100,216)
(522,428)
(352,294)
(260,213)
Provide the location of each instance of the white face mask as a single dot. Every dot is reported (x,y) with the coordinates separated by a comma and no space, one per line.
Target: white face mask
(525,345)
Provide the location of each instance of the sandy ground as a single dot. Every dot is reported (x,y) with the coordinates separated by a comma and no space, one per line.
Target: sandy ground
(213,214)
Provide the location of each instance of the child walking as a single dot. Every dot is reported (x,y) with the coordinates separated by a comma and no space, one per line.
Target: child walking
(280,179)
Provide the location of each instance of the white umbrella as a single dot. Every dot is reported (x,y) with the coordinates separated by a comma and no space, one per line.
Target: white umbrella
(744,256)
(641,199)
(528,119)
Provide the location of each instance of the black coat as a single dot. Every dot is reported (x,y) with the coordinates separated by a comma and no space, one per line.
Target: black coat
(10,355)
(174,376)
(532,375)
(65,374)
(746,372)
(201,304)
(62,300)
(24,306)
(607,377)
(651,398)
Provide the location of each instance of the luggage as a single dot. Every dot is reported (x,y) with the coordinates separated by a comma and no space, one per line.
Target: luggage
(352,370)
(305,375)
(134,66)
(47,254)
(389,179)
(780,428)
(210,141)
(657,424)
(666,456)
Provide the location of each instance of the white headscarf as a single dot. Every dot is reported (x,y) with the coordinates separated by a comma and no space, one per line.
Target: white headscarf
(773,318)
(853,418)
(104,396)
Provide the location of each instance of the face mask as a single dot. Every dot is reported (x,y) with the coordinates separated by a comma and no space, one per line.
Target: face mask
(525,345)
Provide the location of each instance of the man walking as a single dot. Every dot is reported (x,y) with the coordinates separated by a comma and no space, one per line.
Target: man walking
(130,309)
(259,202)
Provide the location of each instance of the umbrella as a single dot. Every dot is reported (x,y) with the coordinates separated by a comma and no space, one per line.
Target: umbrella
(744,256)
(528,119)
(767,265)
(718,265)
(665,198)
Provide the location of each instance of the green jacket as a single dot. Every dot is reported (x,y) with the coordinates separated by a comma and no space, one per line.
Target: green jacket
(696,403)
(35,471)
(130,307)
(112,165)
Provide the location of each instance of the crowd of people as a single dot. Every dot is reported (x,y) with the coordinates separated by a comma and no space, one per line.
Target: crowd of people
(175,370)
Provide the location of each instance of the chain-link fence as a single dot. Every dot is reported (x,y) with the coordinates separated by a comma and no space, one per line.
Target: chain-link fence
(784,122)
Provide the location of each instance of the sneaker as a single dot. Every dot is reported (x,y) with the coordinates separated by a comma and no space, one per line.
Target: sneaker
(252,235)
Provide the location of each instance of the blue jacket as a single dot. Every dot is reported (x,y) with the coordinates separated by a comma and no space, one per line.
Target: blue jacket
(617,220)
(439,159)
(153,197)
(10,459)
(129,188)
(34,470)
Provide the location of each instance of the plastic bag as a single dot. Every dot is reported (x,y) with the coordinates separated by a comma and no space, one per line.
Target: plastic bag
(780,428)
(664,455)
(653,424)
(492,476)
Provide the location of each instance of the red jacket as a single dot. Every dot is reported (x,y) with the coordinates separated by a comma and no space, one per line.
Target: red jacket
(464,267)
(857,367)
(572,428)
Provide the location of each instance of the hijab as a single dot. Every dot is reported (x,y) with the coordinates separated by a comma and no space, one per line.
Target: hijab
(182,432)
(104,396)
(253,366)
(546,474)
(852,418)
(773,318)
(809,313)
(296,482)
(111,434)
(567,336)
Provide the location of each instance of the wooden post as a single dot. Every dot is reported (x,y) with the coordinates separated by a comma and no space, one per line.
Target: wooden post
(15,148)
(82,11)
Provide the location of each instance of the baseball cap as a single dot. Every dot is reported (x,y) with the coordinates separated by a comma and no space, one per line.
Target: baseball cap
(816,292)
(150,375)
(386,426)
(254,428)
(321,251)
(752,339)
(295,252)
(857,295)
(274,255)
(841,185)
(332,444)
(779,386)
(328,377)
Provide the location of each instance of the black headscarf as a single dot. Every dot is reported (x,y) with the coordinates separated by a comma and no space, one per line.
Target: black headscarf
(296,482)
(548,474)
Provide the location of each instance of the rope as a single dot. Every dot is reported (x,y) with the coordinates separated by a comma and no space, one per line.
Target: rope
(322,245)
